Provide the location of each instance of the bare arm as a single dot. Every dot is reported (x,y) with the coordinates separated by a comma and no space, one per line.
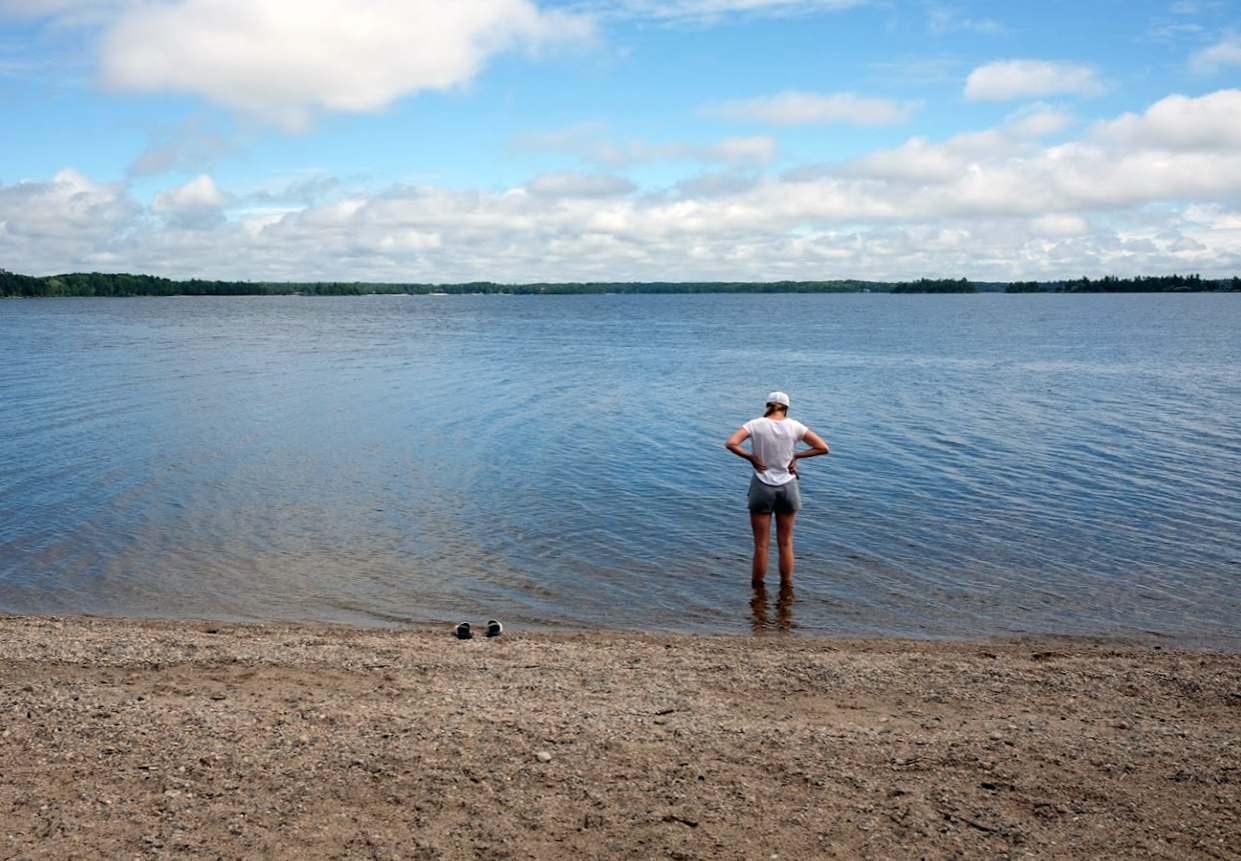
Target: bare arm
(817,447)
(734,445)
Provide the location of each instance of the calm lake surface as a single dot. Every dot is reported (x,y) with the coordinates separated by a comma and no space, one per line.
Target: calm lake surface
(1001,465)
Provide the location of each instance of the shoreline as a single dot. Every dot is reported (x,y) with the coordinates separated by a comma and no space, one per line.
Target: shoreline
(764,622)
(197,739)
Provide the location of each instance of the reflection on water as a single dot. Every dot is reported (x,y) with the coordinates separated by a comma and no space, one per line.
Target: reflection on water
(762,618)
(1002,465)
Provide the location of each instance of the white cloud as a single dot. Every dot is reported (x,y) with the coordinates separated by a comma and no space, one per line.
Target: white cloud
(740,151)
(198,205)
(68,205)
(1037,121)
(919,161)
(564,184)
(1059,224)
(1217,58)
(1209,122)
(197,194)
(65,224)
(916,161)
(996,203)
(1017,79)
(1124,164)
(714,185)
(1214,214)
(284,60)
(796,108)
(304,191)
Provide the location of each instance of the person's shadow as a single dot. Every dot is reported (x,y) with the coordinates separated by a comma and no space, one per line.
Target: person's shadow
(761,619)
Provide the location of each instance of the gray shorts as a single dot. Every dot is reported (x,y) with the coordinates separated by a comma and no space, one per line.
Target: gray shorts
(780,498)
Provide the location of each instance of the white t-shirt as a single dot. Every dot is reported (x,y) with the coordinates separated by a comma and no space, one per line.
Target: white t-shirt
(773,442)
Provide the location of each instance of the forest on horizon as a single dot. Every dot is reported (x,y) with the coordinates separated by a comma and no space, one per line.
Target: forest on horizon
(126,285)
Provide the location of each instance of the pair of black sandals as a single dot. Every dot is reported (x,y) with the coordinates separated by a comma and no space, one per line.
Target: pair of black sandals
(465,632)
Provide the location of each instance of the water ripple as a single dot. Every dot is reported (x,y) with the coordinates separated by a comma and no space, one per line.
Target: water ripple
(1002,465)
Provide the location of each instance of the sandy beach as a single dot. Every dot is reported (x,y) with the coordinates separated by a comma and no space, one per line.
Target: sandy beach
(125,739)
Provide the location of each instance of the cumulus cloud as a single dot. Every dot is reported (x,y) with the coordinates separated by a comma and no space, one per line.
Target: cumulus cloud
(919,161)
(285,60)
(197,205)
(916,161)
(1215,59)
(65,224)
(972,174)
(796,108)
(1126,196)
(1209,122)
(69,204)
(1018,79)
(1059,224)
(198,194)
(1037,121)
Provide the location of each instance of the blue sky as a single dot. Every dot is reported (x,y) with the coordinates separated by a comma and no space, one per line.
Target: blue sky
(620,140)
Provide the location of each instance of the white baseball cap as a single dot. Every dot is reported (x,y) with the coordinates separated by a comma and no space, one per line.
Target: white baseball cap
(778,398)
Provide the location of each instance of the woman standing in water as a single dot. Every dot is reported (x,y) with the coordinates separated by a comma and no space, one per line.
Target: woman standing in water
(773,487)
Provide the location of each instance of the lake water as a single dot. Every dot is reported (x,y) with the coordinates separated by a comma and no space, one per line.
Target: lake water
(1001,465)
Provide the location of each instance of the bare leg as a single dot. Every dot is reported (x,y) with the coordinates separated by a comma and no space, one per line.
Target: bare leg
(784,543)
(761,524)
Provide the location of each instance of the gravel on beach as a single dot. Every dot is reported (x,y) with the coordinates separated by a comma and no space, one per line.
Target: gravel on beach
(124,739)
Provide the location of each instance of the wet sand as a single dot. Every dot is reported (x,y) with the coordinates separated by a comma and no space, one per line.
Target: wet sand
(125,739)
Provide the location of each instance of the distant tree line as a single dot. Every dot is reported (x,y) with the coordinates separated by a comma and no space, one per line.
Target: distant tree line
(935,285)
(1149,284)
(22,285)
(109,284)
(121,284)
